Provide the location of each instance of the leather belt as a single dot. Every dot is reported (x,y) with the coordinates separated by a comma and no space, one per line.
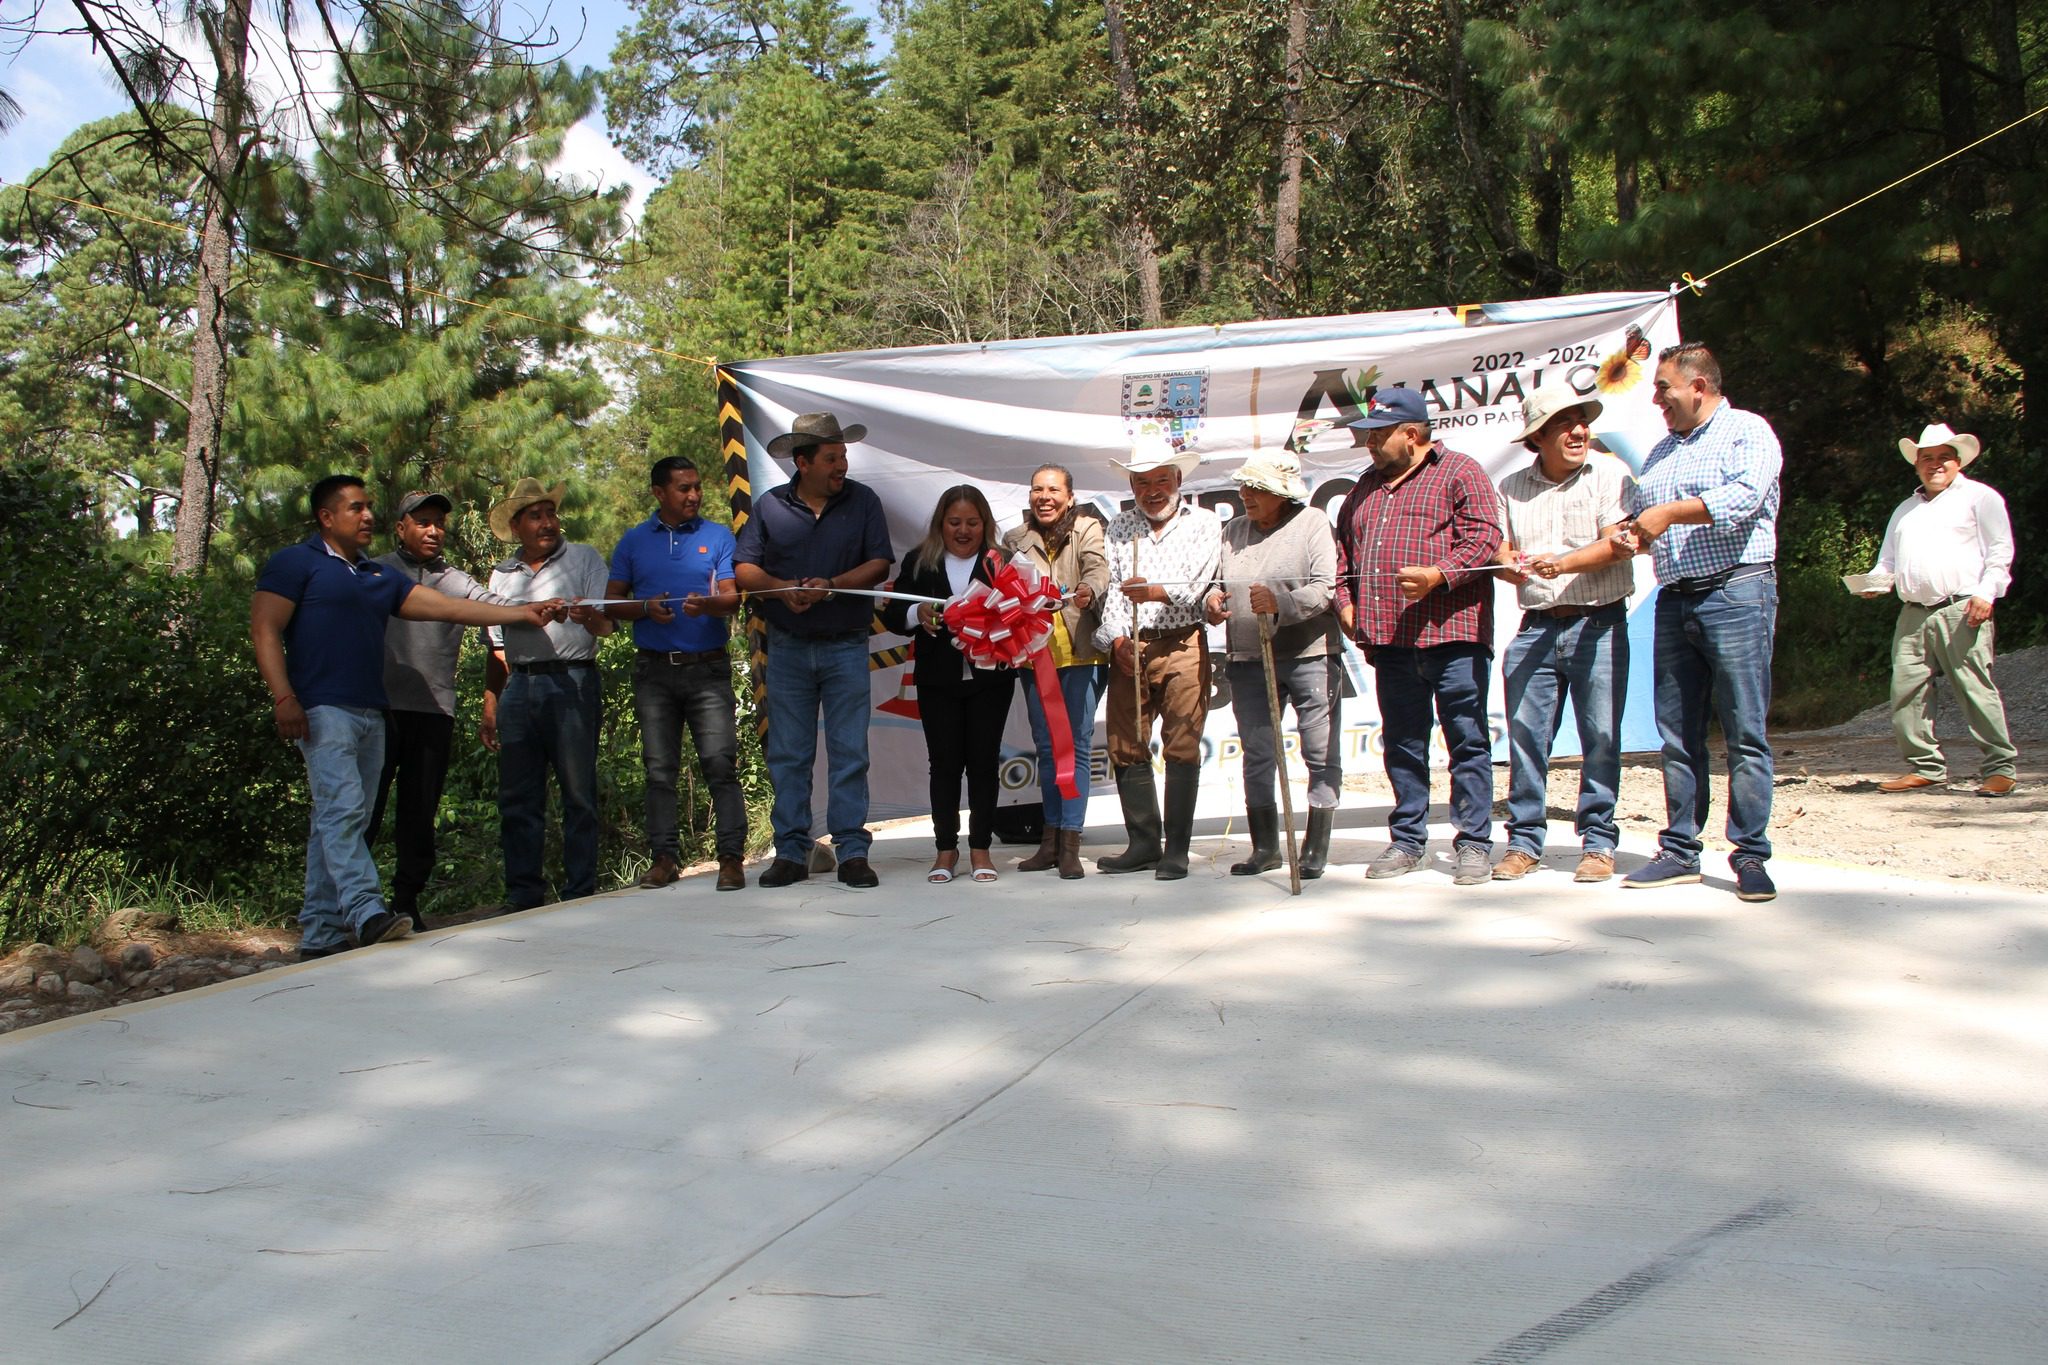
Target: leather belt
(545,666)
(1721,579)
(1568,611)
(1154,633)
(680,657)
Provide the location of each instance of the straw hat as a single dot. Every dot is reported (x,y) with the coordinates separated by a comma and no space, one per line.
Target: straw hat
(1548,401)
(1965,445)
(1275,473)
(815,429)
(524,494)
(1151,451)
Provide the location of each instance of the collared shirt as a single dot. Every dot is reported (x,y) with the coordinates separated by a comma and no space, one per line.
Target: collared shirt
(571,571)
(334,643)
(1958,542)
(1444,513)
(420,656)
(787,540)
(1730,462)
(655,558)
(1182,557)
(1539,517)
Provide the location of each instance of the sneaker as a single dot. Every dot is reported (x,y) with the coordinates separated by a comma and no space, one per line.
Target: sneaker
(1515,866)
(663,873)
(383,927)
(1666,869)
(1395,862)
(1911,782)
(1594,866)
(1474,865)
(1997,785)
(856,872)
(732,874)
(1752,883)
(783,872)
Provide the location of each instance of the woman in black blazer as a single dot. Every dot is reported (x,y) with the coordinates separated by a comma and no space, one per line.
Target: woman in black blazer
(963,709)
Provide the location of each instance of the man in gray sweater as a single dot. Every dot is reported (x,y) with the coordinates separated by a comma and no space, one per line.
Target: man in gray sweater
(419,677)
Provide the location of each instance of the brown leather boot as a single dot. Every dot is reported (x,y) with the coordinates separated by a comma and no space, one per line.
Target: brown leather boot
(732,875)
(1048,855)
(662,873)
(1070,855)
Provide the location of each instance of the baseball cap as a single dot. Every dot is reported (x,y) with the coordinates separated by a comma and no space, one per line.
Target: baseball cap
(1391,407)
(412,502)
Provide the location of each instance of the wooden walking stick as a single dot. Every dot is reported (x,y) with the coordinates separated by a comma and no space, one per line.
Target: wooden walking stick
(1138,658)
(1279,752)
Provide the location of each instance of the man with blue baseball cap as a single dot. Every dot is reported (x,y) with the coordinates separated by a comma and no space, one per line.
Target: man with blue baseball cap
(1415,541)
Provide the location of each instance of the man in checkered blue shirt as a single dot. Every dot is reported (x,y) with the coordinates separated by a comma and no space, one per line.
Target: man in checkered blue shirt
(1706,511)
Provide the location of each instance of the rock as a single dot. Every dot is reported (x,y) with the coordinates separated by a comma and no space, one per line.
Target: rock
(269,966)
(81,990)
(42,957)
(49,983)
(136,958)
(131,922)
(87,964)
(249,968)
(17,979)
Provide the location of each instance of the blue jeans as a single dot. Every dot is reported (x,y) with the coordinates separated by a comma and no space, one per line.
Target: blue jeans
(807,676)
(1585,658)
(665,697)
(344,749)
(548,721)
(1452,678)
(1081,689)
(1714,648)
(1314,686)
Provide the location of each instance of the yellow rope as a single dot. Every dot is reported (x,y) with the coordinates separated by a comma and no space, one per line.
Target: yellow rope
(477,304)
(1700,284)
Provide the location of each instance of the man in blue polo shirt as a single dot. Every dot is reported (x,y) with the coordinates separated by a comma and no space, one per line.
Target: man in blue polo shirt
(680,567)
(816,534)
(1706,510)
(316,622)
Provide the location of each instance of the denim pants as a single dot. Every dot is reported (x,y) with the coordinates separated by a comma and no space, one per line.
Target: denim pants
(1080,689)
(1453,679)
(1314,686)
(1714,649)
(417,745)
(344,749)
(667,696)
(548,721)
(808,676)
(1584,658)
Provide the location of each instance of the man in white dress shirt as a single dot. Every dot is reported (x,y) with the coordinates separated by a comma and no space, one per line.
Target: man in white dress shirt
(1948,552)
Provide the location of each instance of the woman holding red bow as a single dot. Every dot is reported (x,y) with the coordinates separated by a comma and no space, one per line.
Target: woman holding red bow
(962,708)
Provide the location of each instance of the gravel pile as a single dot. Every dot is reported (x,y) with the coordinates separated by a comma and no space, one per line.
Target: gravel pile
(2022,680)
(131,958)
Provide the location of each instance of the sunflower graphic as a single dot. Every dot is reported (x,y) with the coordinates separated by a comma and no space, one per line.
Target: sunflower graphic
(1623,370)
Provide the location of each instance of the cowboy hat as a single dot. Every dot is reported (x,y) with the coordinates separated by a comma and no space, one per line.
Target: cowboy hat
(1547,402)
(815,429)
(524,494)
(1965,445)
(1278,474)
(1150,452)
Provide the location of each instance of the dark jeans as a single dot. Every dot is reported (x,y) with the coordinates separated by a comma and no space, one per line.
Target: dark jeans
(1714,656)
(416,749)
(667,696)
(1453,678)
(548,721)
(963,733)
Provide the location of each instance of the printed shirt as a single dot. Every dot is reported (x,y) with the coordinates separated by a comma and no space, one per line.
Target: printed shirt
(571,571)
(1539,517)
(1445,513)
(420,656)
(1182,556)
(334,643)
(790,541)
(1958,542)
(1730,462)
(655,558)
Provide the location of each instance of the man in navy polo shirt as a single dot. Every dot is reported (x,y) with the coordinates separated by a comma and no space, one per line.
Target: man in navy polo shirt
(818,533)
(317,623)
(680,567)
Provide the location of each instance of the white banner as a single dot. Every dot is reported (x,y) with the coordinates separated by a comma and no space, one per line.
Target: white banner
(990,414)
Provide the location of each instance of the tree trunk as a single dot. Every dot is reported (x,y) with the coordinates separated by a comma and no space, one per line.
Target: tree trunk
(208,409)
(1293,144)
(1151,301)
(1627,190)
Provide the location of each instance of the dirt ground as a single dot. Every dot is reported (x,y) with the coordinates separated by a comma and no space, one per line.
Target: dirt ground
(1827,807)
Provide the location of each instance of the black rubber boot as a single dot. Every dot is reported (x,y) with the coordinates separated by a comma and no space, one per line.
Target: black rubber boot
(1265,823)
(1048,855)
(1134,787)
(1183,783)
(1315,845)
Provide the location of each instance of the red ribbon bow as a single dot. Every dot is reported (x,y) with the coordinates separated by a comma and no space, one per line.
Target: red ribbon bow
(1007,621)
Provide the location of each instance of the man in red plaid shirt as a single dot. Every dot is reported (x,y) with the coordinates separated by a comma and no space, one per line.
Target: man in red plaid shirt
(1414,541)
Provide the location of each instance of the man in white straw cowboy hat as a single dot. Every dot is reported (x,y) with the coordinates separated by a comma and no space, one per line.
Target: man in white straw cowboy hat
(1280,563)
(1163,556)
(1559,513)
(1948,554)
(543,699)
